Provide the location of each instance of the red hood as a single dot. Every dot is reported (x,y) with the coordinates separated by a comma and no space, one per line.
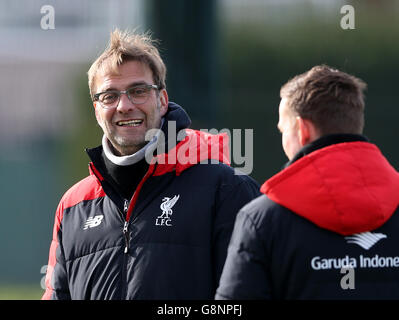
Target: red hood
(196,147)
(346,188)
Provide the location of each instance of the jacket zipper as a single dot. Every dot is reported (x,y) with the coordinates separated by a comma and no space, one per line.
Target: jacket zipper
(125,231)
(125,225)
(127,217)
(126,250)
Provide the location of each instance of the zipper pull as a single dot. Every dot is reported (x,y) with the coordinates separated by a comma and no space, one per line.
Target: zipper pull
(125,231)
(126,235)
(126,207)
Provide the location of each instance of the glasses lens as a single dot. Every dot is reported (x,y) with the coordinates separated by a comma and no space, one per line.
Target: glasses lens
(109,99)
(139,94)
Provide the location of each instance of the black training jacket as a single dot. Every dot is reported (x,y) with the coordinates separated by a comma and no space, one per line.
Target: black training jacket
(168,242)
(336,206)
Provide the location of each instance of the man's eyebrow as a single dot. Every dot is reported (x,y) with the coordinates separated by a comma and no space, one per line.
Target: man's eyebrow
(133,84)
(137,83)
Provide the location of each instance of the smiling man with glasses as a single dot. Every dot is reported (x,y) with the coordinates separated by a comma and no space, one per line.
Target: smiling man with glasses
(138,229)
(128,105)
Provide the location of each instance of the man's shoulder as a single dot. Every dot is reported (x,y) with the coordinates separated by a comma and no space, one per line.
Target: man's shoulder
(225,172)
(263,209)
(88,188)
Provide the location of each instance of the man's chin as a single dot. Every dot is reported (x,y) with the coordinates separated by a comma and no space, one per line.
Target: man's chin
(123,146)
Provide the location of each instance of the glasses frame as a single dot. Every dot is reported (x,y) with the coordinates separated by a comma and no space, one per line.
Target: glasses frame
(96,97)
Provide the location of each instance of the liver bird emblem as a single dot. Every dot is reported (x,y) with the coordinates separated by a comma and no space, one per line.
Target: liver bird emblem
(167,205)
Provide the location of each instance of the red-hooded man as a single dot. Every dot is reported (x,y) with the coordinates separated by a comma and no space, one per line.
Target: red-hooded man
(333,208)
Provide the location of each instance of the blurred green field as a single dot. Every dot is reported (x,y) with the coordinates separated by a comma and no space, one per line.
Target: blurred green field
(20,292)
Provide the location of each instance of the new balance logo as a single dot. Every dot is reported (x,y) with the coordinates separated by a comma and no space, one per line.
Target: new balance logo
(365,239)
(93,221)
(166,206)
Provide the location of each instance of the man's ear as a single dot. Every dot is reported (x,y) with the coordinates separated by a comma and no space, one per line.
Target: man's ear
(164,99)
(307,131)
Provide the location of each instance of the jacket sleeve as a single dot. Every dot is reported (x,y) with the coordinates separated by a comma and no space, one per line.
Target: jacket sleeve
(56,276)
(245,271)
(231,199)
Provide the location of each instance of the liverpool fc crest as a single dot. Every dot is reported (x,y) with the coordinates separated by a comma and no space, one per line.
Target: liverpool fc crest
(166,206)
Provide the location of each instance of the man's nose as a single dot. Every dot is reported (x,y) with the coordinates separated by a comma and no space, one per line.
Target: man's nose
(124,105)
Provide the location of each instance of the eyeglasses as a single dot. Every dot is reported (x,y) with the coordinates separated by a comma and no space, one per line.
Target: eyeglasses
(137,95)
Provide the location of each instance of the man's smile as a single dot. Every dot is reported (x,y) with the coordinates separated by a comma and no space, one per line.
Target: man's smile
(129,123)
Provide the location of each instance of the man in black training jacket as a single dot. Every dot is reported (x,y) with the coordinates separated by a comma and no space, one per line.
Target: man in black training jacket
(327,225)
(150,221)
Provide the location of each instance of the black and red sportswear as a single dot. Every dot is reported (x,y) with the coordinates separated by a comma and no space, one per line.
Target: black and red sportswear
(107,247)
(334,206)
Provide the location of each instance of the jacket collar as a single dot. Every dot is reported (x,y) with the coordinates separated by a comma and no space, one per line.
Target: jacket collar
(323,142)
(196,146)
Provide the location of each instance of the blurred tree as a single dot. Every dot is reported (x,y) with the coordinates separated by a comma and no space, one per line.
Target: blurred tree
(189,41)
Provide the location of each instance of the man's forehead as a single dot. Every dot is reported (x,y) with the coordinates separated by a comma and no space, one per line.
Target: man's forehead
(283,105)
(127,74)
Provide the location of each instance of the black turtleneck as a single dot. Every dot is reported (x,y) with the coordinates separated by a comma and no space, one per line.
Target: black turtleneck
(125,178)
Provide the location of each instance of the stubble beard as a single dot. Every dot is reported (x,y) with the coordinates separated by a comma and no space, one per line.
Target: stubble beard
(124,146)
